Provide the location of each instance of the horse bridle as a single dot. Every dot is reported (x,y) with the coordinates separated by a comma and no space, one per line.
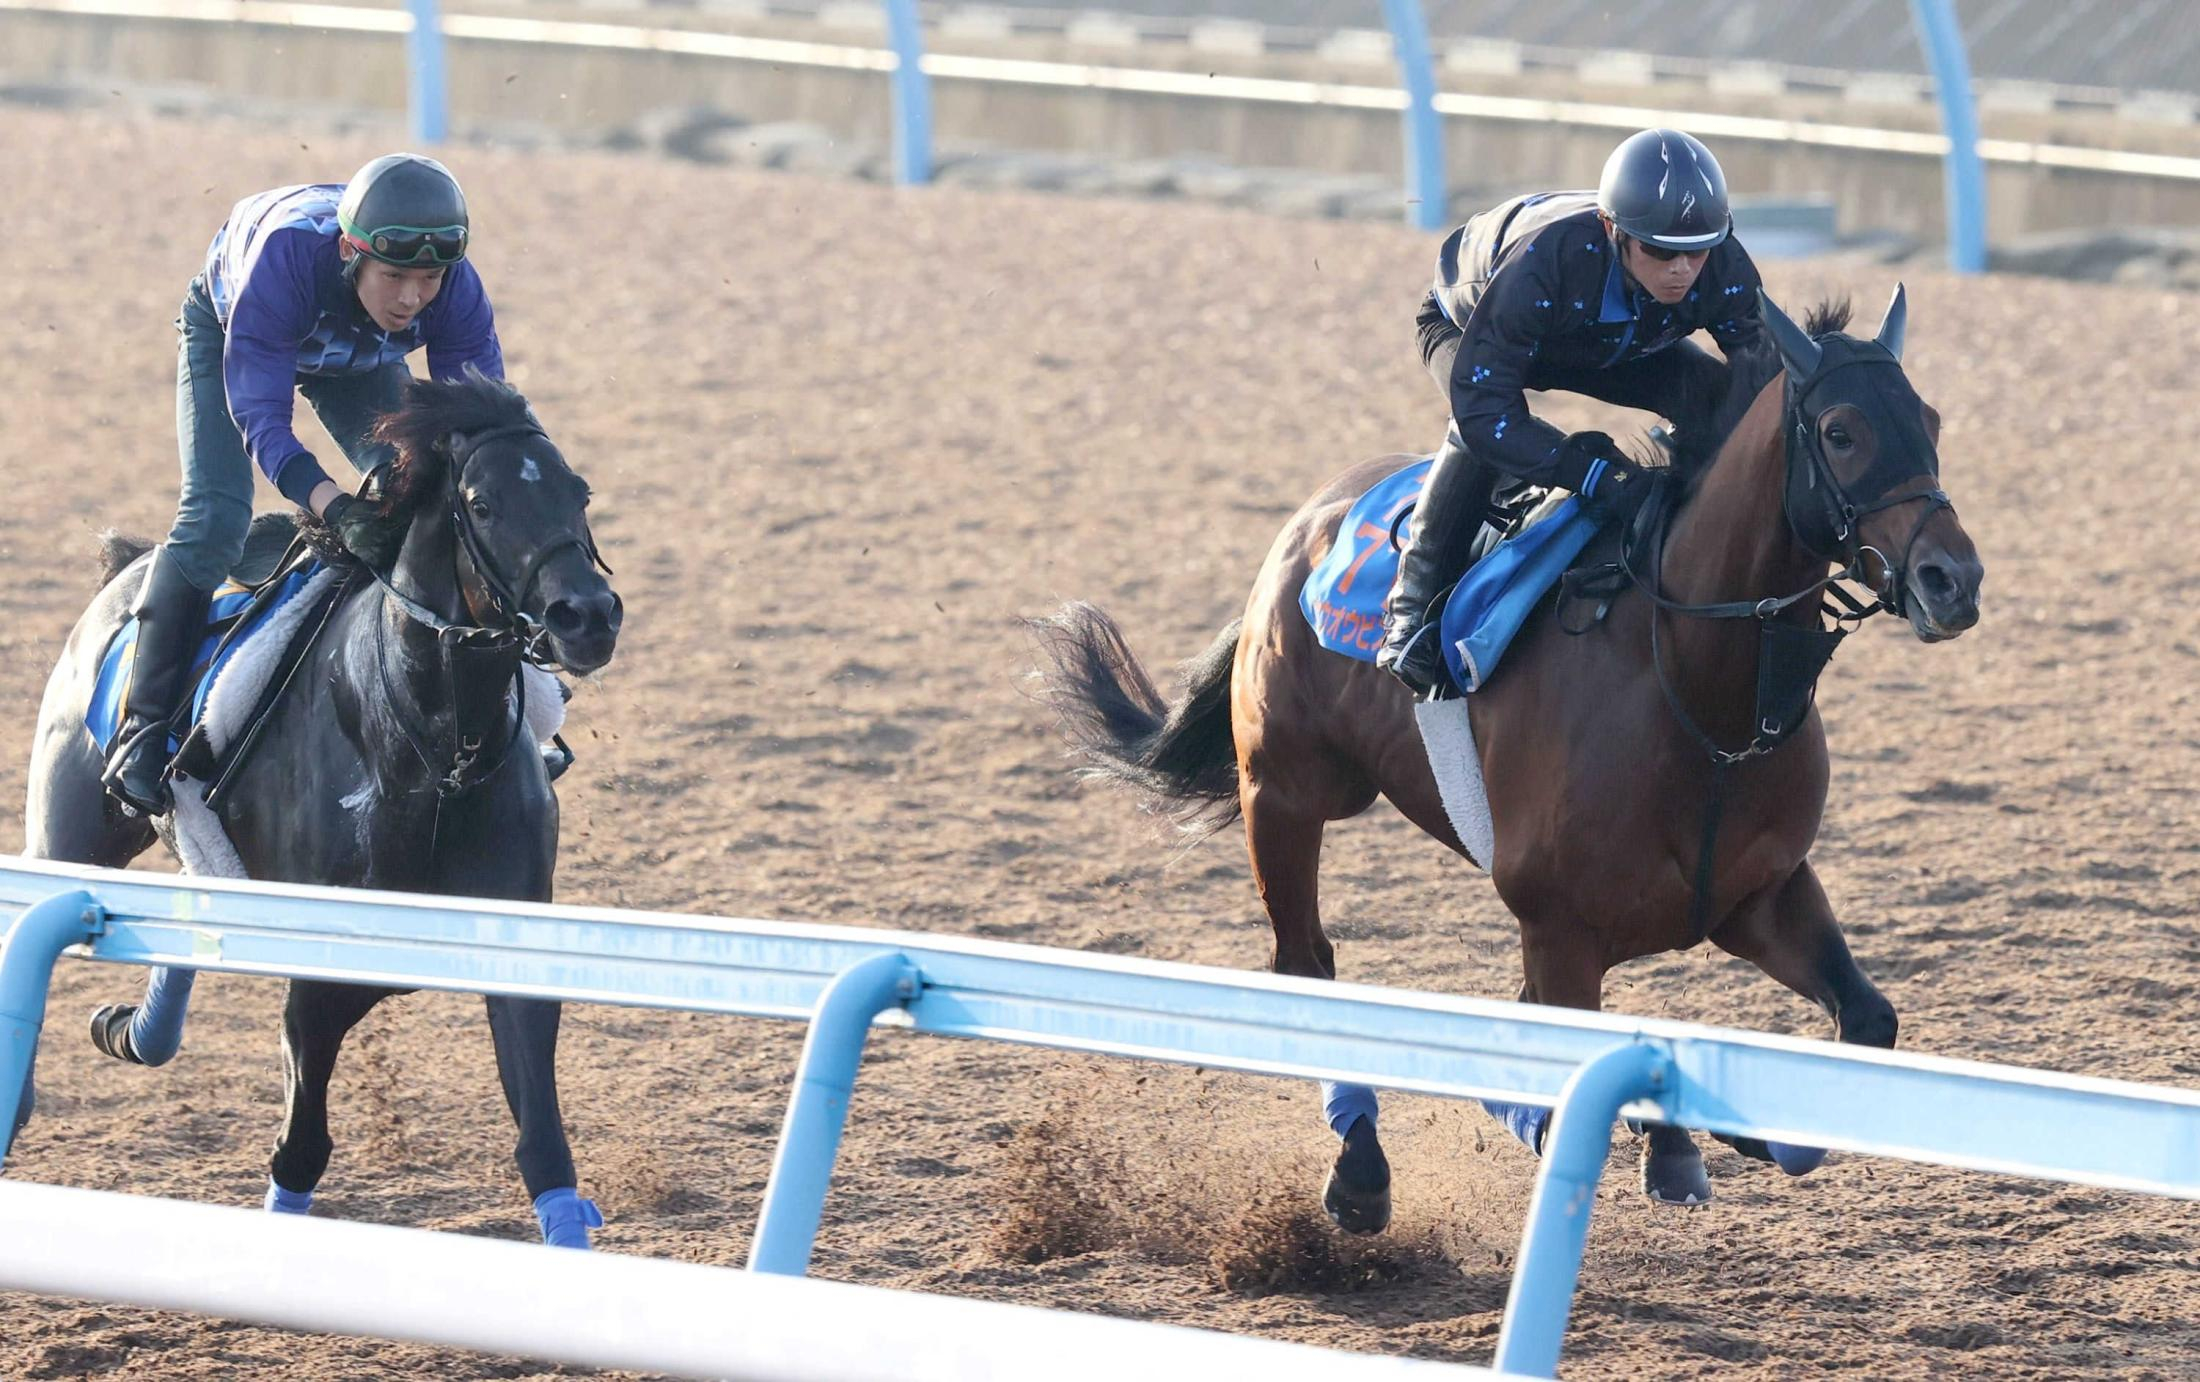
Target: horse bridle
(1823,516)
(506,600)
(517,630)
(1790,658)
(1829,527)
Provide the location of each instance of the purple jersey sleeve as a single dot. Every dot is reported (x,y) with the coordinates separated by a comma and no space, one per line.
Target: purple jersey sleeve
(274,311)
(461,329)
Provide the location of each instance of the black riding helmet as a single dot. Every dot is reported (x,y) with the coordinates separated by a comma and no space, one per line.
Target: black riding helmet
(406,210)
(1664,188)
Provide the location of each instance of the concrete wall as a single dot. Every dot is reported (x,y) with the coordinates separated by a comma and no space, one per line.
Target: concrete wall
(595,91)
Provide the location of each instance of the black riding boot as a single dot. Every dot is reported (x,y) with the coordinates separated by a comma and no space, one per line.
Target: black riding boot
(1453,504)
(171,615)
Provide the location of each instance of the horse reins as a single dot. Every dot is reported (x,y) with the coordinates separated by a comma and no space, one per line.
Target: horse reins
(519,631)
(1790,658)
(507,600)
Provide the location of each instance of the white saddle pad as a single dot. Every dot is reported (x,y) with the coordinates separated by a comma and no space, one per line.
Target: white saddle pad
(1447,733)
(201,844)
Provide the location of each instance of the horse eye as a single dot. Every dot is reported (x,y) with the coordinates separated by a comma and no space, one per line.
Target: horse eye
(1839,436)
(479,510)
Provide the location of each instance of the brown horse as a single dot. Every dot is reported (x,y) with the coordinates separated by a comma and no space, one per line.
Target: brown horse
(1642,797)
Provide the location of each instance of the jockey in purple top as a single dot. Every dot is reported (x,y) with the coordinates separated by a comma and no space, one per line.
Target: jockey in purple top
(321,290)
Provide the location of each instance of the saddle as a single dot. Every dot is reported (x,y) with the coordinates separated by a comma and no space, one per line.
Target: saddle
(274,571)
(270,545)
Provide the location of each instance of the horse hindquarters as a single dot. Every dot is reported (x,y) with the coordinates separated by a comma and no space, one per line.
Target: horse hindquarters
(67,814)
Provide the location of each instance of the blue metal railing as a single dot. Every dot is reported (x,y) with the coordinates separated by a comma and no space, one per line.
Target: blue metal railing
(1590,1066)
(427,94)
(1941,37)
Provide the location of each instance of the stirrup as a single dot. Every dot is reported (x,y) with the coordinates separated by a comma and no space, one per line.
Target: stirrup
(1425,681)
(126,749)
(557,756)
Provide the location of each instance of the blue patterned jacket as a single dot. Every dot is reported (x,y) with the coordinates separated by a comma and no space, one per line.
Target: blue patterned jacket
(277,285)
(1536,288)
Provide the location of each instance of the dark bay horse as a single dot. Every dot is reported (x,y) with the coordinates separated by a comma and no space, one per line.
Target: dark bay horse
(1606,744)
(399,760)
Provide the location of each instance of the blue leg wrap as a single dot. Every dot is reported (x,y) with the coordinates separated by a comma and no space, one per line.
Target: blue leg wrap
(1524,1121)
(156,1032)
(281,1201)
(1343,1103)
(566,1217)
(1796,1161)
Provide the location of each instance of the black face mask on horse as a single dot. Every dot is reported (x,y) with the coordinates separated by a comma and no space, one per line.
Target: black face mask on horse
(1822,509)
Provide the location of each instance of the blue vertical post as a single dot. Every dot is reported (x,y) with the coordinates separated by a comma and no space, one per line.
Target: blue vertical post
(1424,131)
(810,1138)
(427,103)
(912,96)
(1965,175)
(1558,1216)
(27,954)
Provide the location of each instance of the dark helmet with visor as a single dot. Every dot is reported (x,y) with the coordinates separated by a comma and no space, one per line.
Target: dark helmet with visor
(1664,188)
(406,210)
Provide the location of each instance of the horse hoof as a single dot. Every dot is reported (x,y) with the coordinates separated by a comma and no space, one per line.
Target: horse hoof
(111,1032)
(1675,1178)
(1356,1211)
(1357,1193)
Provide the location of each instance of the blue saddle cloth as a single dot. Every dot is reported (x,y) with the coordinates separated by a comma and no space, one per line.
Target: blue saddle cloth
(103,716)
(1343,595)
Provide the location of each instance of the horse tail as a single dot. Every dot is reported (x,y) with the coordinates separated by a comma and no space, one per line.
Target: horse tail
(116,552)
(1181,755)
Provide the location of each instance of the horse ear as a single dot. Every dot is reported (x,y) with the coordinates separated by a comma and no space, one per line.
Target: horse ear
(451,444)
(1798,352)
(1891,326)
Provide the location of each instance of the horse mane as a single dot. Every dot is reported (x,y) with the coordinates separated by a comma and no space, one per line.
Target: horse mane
(430,413)
(1829,316)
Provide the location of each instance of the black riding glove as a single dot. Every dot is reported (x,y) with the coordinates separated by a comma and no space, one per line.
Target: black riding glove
(366,533)
(1618,492)
(1611,487)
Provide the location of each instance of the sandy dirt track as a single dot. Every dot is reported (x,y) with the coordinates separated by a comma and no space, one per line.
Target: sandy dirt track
(840,435)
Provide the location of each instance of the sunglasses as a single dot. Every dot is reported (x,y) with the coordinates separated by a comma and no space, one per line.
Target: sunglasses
(418,244)
(1664,255)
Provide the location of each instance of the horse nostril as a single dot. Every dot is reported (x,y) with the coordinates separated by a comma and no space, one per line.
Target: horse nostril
(1938,581)
(564,619)
(570,619)
(618,613)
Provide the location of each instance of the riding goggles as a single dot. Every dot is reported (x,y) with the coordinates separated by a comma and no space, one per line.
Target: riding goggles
(1666,256)
(415,245)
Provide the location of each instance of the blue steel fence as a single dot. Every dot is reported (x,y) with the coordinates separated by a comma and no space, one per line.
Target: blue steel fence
(1938,35)
(1591,1067)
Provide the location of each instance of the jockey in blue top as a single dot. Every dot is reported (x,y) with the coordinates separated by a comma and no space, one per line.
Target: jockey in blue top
(1590,293)
(322,289)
